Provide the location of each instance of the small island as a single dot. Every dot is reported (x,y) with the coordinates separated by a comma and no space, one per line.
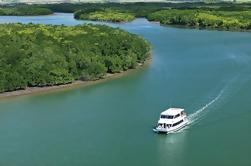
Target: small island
(234,17)
(36,55)
(111,15)
(205,18)
(24,10)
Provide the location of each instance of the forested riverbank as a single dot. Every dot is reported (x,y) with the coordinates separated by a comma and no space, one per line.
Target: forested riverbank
(24,10)
(142,9)
(46,55)
(224,16)
(104,15)
(217,16)
(216,19)
(75,84)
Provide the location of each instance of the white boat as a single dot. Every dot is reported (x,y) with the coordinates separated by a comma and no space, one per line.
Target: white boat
(171,120)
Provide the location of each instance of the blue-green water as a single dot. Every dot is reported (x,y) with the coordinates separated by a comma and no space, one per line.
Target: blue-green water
(206,72)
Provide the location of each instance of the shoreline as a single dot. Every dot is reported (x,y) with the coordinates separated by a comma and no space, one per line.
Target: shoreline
(73,85)
(173,25)
(200,28)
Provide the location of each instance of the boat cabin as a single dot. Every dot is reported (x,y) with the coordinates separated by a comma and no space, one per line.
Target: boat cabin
(171,117)
(172,113)
(171,120)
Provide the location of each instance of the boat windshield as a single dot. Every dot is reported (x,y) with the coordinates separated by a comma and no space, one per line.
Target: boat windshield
(166,117)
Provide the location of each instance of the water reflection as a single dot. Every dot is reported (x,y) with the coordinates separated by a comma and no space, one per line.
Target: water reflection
(171,148)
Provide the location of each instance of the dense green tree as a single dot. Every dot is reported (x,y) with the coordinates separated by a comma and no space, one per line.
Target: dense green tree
(45,55)
(24,10)
(105,15)
(204,18)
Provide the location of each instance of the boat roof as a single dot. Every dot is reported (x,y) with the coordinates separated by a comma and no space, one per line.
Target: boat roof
(172,111)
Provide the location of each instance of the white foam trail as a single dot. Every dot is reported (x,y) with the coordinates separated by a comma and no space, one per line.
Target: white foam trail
(183,129)
(198,114)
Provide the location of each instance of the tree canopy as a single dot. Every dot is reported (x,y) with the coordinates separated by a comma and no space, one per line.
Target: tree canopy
(105,15)
(204,18)
(44,55)
(24,10)
(227,16)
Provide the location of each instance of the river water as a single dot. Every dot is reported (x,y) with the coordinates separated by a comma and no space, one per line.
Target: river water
(110,123)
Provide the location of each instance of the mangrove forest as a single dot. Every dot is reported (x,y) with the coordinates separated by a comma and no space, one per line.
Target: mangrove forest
(105,15)
(217,19)
(223,16)
(24,10)
(45,55)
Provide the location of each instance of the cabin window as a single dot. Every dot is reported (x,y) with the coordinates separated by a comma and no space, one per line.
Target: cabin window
(175,124)
(166,117)
(163,116)
(176,116)
(162,125)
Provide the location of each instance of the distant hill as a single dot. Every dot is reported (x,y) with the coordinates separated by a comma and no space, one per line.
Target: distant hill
(78,1)
(35,1)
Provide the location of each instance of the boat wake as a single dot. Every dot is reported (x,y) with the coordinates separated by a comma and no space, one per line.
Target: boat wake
(231,87)
(197,115)
(194,117)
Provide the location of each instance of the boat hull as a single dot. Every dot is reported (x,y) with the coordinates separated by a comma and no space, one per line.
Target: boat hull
(170,130)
